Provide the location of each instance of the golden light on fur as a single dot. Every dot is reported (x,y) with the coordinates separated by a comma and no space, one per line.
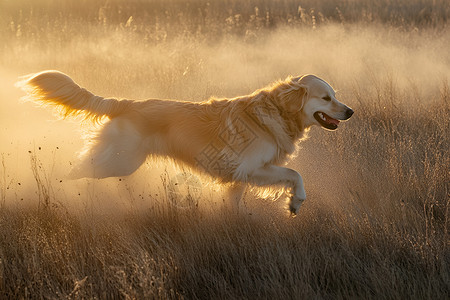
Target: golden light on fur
(240,141)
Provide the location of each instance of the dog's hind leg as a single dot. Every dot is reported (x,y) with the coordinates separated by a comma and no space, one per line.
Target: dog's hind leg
(116,151)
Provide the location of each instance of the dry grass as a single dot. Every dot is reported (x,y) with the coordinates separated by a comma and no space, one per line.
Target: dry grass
(375,224)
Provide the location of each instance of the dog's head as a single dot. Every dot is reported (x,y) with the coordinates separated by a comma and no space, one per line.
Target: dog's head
(316,103)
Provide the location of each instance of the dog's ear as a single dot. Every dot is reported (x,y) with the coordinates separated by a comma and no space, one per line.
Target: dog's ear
(294,95)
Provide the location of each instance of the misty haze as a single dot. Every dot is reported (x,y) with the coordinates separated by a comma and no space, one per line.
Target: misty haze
(375,222)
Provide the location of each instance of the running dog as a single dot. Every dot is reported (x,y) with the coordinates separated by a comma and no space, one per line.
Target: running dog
(243,141)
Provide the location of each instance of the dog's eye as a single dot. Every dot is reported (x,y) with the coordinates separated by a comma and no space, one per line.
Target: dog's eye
(327,98)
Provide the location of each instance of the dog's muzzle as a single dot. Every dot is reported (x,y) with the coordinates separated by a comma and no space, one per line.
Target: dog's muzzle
(348,113)
(331,123)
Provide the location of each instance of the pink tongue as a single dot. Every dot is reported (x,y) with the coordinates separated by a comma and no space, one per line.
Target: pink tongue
(331,120)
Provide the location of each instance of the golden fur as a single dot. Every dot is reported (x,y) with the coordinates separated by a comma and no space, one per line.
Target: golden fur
(241,141)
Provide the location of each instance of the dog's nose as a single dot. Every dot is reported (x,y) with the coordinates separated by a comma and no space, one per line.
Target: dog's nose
(349,112)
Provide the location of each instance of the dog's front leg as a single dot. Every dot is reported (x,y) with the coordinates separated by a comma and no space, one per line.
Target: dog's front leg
(234,195)
(272,175)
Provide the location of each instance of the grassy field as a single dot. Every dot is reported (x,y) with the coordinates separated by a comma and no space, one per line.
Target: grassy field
(375,224)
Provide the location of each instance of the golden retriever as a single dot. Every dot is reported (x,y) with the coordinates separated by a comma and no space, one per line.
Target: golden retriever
(241,141)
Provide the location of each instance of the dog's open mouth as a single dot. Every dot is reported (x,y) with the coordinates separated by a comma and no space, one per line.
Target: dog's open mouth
(326,121)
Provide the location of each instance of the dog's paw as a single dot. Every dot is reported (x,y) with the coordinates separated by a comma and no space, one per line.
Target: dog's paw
(294,205)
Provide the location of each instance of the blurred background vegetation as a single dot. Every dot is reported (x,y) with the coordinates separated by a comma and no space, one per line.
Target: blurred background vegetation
(375,224)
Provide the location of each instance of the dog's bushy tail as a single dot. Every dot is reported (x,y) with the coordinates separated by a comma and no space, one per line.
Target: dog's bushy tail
(56,89)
